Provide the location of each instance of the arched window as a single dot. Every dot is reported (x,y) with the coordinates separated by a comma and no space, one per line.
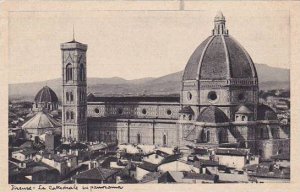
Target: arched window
(203,136)
(138,138)
(261,133)
(71,96)
(164,140)
(81,72)
(72,115)
(243,118)
(67,115)
(69,73)
(208,136)
(67,96)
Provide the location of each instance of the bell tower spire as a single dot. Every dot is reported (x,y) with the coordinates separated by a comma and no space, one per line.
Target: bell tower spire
(220,28)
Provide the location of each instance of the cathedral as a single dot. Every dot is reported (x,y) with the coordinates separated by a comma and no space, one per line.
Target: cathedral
(218,103)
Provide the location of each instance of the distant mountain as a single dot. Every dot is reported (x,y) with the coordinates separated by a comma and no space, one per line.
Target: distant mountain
(269,78)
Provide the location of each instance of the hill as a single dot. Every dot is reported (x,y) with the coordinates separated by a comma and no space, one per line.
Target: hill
(269,78)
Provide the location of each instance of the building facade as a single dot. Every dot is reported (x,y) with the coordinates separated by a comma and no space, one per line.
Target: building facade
(218,103)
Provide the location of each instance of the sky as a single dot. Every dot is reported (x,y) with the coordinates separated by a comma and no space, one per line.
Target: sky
(137,44)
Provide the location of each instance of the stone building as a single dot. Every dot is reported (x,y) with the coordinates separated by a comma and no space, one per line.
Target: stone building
(218,103)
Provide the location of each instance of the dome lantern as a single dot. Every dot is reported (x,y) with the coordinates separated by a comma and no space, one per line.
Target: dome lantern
(220,28)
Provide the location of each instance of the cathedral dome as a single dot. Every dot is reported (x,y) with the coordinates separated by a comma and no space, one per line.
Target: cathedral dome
(219,57)
(212,114)
(46,95)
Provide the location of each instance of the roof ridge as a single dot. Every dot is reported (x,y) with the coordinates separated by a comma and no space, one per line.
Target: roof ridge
(100,172)
(49,119)
(227,57)
(201,57)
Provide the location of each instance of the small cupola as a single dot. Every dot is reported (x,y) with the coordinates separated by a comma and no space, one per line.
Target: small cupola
(186,113)
(243,114)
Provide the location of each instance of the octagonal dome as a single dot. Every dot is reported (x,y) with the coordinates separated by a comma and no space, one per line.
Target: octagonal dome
(46,95)
(219,57)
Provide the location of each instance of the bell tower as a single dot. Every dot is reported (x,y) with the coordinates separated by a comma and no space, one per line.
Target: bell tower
(74,100)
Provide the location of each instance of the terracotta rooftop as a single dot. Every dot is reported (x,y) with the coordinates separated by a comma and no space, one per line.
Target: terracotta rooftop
(135,99)
(97,173)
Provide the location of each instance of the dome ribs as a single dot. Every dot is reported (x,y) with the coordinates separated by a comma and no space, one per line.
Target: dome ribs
(201,58)
(214,66)
(229,72)
(190,71)
(46,94)
(240,63)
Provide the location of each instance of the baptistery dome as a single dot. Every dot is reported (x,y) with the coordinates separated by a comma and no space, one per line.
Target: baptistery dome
(219,56)
(46,94)
(45,99)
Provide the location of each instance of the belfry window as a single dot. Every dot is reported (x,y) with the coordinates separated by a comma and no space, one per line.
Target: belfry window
(208,136)
(81,72)
(71,96)
(69,72)
(261,133)
(67,96)
(164,140)
(138,138)
(67,115)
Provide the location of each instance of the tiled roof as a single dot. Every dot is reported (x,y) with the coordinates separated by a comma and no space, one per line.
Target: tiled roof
(41,120)
(170,158)
(151,176)
(134,99)
(12,166)
(26,151)
(148,166)
(252,167)
(269,171)
(233,178)
(282,156)
(190,175)
(72,146)
(233,152)
(200,151)
(97,173)
(203,162)
(58,158)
